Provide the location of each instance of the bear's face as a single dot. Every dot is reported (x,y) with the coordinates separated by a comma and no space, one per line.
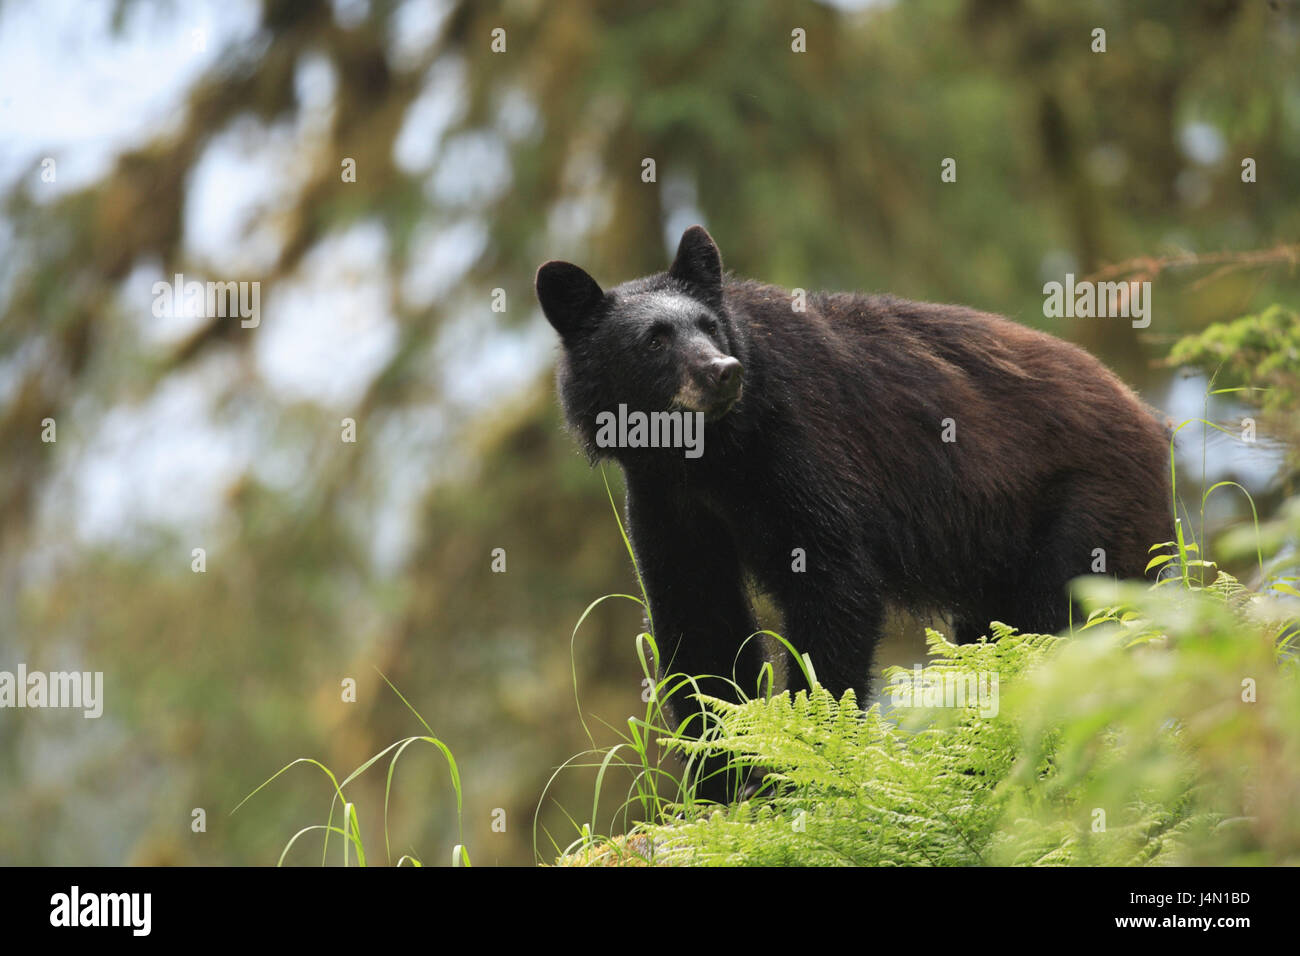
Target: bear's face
(660,344)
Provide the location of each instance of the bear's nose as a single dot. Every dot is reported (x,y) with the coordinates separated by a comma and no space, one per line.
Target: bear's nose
(727,374)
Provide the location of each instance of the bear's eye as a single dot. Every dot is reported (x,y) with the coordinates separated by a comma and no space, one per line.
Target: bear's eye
(708,325)
(658,337)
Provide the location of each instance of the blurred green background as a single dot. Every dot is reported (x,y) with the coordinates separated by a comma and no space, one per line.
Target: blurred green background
(210,139)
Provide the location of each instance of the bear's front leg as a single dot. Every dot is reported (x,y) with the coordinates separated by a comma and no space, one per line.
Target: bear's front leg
(699,610)
(837,624)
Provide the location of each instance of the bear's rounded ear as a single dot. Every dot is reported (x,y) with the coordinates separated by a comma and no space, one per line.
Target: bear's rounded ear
(568,296)
(698,262)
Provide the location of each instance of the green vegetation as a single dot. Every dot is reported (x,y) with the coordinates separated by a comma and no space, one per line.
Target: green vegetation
(353,843)
(1165,730)
(1262,353)
(1168,732)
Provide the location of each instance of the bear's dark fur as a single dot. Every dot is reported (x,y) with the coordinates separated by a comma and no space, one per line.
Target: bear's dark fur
(828,436)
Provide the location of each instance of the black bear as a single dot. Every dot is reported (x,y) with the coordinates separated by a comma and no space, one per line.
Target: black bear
(846,451)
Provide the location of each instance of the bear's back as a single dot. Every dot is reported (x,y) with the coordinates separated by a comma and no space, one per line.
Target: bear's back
(928,403)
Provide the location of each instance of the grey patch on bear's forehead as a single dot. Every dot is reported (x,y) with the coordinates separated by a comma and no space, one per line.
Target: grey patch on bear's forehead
(663,304)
